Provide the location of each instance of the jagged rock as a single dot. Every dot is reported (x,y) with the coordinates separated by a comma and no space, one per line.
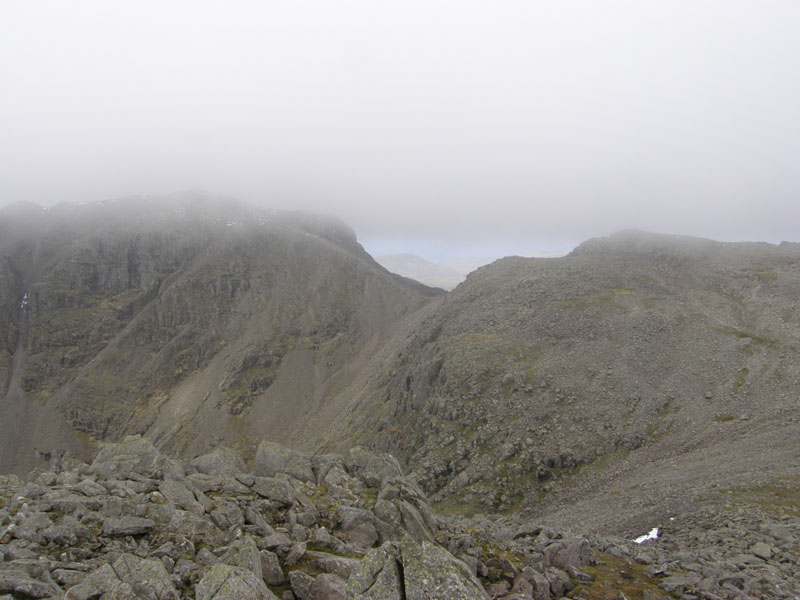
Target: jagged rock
(431,572)
(182,496)
(129,577)
(573,552)
(134,455)
(220,462)
(378,576)
(224,582)
(413,571)
(677,582)
(271,570)
(301,584)
(539,585)
(322,464)
(327,587)
(296,552)
(148,579)
(17,581)
(274,489)
(762,550)
(272,458)
(359,525)
(245,554)
(331,563)
(60,535)
(126,526)
(226,515)
(373,469)
(195,528)
(90,488)
(559,582)
(277,541)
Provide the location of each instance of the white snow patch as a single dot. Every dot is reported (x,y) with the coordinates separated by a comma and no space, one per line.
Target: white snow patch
(651,535)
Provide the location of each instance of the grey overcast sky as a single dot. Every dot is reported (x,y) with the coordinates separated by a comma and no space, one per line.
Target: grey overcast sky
(436,123)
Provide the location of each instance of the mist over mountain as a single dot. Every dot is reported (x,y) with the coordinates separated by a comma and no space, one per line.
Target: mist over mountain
(190,318)
(419,269)
(642,381)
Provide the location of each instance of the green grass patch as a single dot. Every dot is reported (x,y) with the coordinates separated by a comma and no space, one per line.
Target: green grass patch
(725,418)
(613,576)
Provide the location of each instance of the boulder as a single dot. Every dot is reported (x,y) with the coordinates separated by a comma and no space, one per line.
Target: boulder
(129,577)
(121,526)
(271,570)
(225,582)
(133,455)
(431,572)
(574,551)
(17,581)
(372,469)
(378,576)
(358,525)
(178,493)
(272,458)
(301,584)
(414,572)
(221,462)
(245,554)
(327,587)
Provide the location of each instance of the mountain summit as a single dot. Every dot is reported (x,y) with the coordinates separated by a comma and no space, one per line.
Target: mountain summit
(193,319)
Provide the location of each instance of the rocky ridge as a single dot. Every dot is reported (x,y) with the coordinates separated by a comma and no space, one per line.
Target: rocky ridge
(609,389)
(137,524)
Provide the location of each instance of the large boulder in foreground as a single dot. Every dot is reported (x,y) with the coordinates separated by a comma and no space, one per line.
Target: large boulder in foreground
(414,572)
(226,581)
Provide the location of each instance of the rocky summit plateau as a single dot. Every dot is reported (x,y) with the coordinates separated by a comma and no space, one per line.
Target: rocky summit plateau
(204,399)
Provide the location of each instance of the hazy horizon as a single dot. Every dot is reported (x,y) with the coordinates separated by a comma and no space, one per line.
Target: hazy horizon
(436,128)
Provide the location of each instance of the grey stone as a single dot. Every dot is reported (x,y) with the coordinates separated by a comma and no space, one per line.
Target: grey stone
(226,582)
(226,515)
(331,563)
(761,550)
(301,584)
(574,551)
(119,526)
(274,489)
(358,525)
(148,579)
(271,570)
(18,581)
(430,572)
(373,469)
(178,493)
(377,576)
(245,554)
(221,462)
(327,587)
(133,455)
(272,458)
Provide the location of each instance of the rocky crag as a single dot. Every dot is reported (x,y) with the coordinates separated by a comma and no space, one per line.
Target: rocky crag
(137,524)
(196,320)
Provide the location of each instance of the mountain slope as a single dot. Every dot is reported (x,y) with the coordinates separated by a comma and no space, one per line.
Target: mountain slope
(559,386)
(190,319)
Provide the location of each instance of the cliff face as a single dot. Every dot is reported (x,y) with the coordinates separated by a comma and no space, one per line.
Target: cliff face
(185,318)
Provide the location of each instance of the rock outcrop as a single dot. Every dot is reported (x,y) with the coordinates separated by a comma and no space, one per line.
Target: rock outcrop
(137,524)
